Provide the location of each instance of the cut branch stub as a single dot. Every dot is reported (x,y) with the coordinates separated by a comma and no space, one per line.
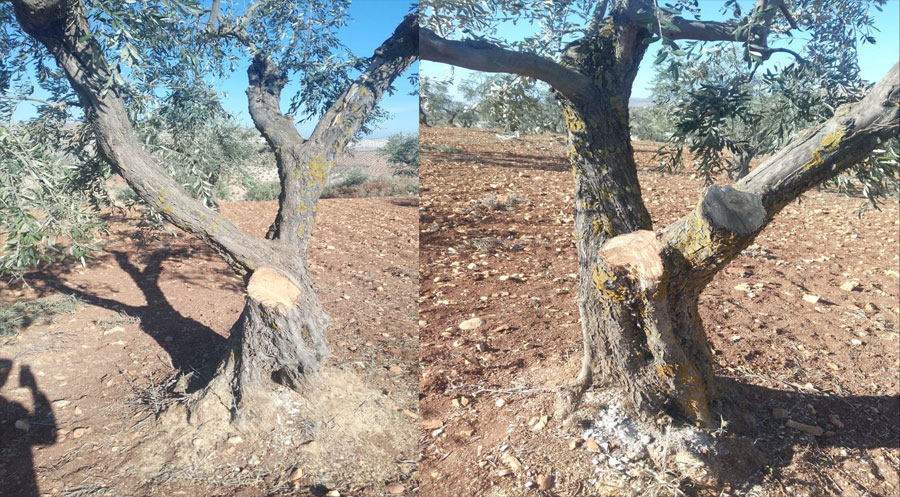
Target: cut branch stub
(268,287)
(715,232)
(639,253)
(738,212)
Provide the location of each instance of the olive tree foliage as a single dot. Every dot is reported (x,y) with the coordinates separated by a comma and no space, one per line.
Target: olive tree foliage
(506,102)
(728,111)
(165,58)
(403,151)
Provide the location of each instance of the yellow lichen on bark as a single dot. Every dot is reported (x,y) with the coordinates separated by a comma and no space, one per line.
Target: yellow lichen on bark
(318,170)
(604,285)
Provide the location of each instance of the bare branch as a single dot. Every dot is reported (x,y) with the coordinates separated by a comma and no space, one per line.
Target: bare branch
(24,98)
(483,56)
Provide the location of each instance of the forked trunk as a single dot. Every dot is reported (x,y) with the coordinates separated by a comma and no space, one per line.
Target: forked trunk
(638,333)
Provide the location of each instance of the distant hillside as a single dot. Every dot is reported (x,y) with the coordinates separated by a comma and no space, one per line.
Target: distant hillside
(640,102)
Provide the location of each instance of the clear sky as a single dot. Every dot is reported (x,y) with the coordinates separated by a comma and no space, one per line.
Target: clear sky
(874,60)
(373,21)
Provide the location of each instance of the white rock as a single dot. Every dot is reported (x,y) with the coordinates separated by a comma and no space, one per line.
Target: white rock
(471,324)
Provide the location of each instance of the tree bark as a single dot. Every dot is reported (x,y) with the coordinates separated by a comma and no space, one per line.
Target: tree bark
(280,335)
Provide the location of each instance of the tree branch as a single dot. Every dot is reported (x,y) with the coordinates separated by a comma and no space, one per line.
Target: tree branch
(304,165)
(60,25)
(483,56)
(728,219)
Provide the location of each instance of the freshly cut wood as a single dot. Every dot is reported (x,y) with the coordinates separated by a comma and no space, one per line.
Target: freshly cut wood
(639,253)
(268,287)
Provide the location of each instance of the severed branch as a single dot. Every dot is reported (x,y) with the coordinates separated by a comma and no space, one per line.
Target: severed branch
(484,56)
(728,218)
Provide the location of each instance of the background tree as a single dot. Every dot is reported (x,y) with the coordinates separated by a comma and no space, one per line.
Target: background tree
(114,60)
(403,151)
(639,288)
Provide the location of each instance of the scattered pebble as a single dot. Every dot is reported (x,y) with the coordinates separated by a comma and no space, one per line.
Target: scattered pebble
(812,430)
(471,324)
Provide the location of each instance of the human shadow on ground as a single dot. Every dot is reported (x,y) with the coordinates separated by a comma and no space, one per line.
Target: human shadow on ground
(20,430)
(192,346)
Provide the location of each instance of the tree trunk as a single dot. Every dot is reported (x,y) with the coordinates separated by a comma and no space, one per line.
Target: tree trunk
(279,338)
(636,333)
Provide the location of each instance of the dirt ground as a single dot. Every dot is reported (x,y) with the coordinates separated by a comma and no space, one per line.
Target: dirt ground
(155,308)
(496,244)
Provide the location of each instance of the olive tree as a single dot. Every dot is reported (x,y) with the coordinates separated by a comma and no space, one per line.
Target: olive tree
(112,60)
(639,285)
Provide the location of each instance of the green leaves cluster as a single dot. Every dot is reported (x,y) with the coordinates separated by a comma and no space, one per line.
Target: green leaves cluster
(403,151)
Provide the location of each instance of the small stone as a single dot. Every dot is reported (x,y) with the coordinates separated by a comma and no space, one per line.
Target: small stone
(296,474)
(79,432)
(592,445)
(78,411)
(395,488)
(464,401)
(23,425)
(197,442)
(743,287)
(576,442)
(500,402)
(333,493)
(851,286)
(234,440)
(779,413)
(545,482)
(113,330)
(542,422)
(812,299)
(254,460)
(431,424)
(511,461)
(60,403)
(834,420)
(471,324)
(812,430)
(504,472)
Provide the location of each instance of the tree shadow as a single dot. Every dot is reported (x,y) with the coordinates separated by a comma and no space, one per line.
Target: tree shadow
(23,430)
(192,346)
(849,422)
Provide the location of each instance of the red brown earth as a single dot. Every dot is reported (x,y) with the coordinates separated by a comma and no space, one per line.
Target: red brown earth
(157,306)
(496,243)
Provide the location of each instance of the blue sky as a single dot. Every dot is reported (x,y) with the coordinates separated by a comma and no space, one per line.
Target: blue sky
(874,60)
(373,21)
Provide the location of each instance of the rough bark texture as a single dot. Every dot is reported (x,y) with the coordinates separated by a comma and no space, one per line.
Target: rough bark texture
(639,291)
(280,336)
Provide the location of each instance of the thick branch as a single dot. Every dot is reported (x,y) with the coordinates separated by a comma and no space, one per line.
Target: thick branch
(483,56)
(687,29)
(60,26)
(728,219)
